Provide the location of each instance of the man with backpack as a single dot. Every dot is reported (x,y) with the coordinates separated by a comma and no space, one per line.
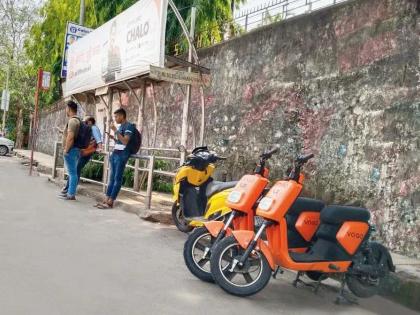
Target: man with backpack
(127,141)
(76,136)
(86,154)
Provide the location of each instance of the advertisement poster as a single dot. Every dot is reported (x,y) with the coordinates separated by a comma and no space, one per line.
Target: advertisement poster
(73,33)
(121,49)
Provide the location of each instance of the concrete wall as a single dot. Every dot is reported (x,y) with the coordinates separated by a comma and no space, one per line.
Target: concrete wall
(342,83)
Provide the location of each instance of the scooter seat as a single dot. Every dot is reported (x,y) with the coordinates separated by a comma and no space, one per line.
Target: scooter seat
(302,204)
(214,187)
(339,214)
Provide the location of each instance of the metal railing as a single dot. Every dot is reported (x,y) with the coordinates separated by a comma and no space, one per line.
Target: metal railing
(149,170)
(276,10)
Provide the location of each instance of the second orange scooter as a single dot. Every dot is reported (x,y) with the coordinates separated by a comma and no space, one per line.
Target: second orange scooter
(303,220)
(242,264)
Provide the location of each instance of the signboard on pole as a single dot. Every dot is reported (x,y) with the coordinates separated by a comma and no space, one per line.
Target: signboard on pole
(46,80)
(121,49)
(5,100)
(176,76)
(73,33)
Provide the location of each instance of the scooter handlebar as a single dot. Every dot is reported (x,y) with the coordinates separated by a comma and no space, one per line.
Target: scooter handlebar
(304,158)
(267,155)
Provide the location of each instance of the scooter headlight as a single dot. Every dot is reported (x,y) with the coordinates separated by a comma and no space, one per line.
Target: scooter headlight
(265,203)
(234,196)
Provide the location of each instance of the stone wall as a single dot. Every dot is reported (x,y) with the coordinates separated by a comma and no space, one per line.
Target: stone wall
(342,83)
(53,119)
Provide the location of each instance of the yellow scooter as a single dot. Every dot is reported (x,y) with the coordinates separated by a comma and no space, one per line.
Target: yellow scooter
(197,197)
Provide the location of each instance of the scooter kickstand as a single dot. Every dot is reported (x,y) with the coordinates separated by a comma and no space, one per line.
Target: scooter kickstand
(297,280)
(317,286)
(276,272)
(342,298)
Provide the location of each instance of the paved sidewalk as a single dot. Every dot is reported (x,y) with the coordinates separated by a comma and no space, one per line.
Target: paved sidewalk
(403,287)
(129,202)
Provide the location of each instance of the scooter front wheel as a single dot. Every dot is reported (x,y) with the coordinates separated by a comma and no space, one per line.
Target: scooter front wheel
(179,219)
(197,253)
(247,280)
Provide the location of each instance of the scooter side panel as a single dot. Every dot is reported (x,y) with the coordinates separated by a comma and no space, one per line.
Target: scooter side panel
(351,234)
(267,253)
(307,224)
(214,227)
(217,204)
(243,237)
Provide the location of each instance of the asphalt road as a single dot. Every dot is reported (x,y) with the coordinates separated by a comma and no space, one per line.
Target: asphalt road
(60,257)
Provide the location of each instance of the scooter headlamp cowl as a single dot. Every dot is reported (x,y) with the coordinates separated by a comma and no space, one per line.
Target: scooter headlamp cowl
(235,196)
(265,204)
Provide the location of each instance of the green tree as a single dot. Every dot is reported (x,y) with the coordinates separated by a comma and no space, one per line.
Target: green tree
(16,18)
(107,9)
(214,20)
(46,43)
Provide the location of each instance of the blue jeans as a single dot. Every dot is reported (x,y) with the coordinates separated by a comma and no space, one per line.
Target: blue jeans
(71,160)
(117,161)
(80,165)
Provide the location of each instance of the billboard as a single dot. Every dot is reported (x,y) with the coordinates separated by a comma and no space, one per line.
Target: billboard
(73,33)
(121,49)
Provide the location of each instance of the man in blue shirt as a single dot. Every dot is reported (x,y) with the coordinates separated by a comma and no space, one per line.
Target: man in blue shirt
(86,154)
(118,158)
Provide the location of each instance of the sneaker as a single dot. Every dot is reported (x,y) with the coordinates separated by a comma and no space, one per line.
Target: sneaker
(67,197)
(62,194)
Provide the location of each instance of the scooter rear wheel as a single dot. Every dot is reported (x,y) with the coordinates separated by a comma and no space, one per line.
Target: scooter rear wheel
(367,286)
(244,281)
(179,219)
(195,256)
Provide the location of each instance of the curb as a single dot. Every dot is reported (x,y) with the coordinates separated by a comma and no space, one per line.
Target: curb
(403,288)
(152,215)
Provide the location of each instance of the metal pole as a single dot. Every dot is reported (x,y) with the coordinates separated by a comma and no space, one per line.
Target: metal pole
(184,29)
(184,130)
(137,184)
(35,120)
(150,182)
(82,12)
(246,23)
(5,103)
(107,139)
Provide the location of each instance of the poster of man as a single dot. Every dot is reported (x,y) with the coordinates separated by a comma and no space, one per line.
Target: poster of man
(112,61)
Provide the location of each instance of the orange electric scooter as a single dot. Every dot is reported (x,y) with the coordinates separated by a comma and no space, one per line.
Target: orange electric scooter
(242,264)
(303,220)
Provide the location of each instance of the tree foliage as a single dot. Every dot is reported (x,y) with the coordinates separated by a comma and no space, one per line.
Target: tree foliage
(46,42)
(16,18)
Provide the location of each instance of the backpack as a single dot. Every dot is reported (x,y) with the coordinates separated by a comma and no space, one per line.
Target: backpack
(84,136)
(135,141)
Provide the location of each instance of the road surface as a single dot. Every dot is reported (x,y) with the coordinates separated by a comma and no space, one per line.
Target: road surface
(59,257)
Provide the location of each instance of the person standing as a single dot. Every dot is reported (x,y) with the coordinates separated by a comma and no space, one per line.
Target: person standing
(86,154)
(70,150)
(118,158)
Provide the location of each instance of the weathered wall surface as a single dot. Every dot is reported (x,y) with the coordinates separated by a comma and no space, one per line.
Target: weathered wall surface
(342,83)
(53,119)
